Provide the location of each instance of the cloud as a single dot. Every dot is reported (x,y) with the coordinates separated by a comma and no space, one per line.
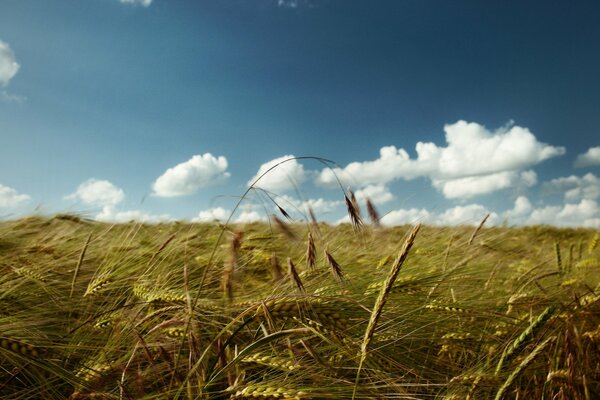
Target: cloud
(212,214)
(406,216)
(471,214)
(186,178)
(472,186)
(585,213)
(378,194)
(319,206)
(288,3)
(8,64)
(10,198)
(575,187)
(110,214)
(96,192)
(7,97)
(144,3)
(282,178)
(519,212)
(589,158)
(249,216)
(475,161)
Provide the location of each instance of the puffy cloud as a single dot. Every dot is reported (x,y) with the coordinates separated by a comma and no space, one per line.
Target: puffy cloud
(520,211)
(406,216)
(589,158)
(471,214)
(282,178)
(475,161)
(186,178)
(392,164)
(472,186)
(110,214)
(378,194)
(585,213)
(319,205)
(212,214)
(10,198)
(98,193)
(575,188)
(288,3)
(249,216)
(8,64)
(144,3)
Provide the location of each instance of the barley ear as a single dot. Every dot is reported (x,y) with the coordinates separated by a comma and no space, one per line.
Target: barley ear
(335,268)
(311,253)
(294,275)
(373,214)
(476,231)
(353,213)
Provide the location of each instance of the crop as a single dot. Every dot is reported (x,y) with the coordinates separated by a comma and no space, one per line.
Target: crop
(292,310)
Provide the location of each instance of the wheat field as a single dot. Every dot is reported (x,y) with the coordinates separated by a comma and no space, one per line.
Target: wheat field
(287,310)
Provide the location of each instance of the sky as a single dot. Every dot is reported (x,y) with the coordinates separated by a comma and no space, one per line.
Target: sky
(437,112)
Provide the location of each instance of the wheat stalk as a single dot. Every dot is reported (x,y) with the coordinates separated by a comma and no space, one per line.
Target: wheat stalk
(381,299)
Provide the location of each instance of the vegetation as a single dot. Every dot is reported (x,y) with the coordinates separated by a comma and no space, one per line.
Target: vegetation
(297,311)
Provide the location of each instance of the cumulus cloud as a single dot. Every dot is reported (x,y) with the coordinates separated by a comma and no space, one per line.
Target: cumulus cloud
(406,216)
(378,194)
(471,214)
(319,206)
(8,64)
(519,212)
(585,213)
(110,214)
(10,198)
(212,214)
(475,161)
(249,216)
(96,192)
(575,187)
(472,186)
(144,3)
(589,158)
(186,178)
(282,178)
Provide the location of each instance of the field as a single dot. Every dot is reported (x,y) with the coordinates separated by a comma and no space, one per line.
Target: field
(296,311)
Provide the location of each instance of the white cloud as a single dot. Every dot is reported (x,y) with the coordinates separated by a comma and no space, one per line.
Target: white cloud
(282,178)
(585,213)
(288,3)
(8,64)
(187,177)
(378,194)
(471,214)
(110,214)
(519,212)
(575,188)
(589,158)
(472,186)
(7,97)
(9,197)
(406,216)
(319,206)
(248,216)
(474,162)
(144,3)
(212,214)
(98,193)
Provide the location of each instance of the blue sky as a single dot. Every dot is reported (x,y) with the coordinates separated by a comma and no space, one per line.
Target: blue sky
(161,109)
